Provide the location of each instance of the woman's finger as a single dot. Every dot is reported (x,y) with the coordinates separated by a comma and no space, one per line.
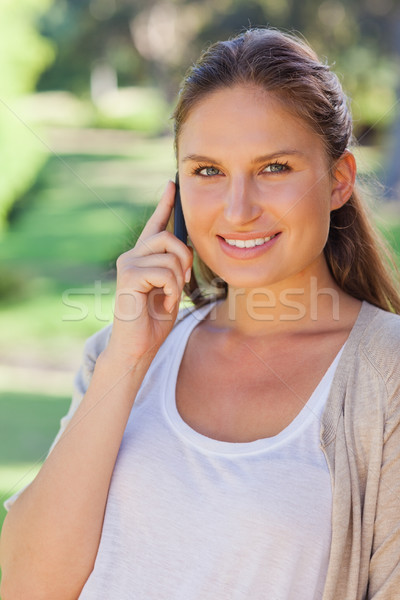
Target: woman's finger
(161,243)
(160,217)
(166,260)
(138,280)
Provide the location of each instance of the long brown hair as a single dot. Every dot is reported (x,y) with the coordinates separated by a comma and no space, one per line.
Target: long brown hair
(281,63)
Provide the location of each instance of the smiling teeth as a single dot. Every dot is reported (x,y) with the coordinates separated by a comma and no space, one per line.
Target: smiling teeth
(249,243)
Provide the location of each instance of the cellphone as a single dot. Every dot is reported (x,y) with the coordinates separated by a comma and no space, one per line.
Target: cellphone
(180,230)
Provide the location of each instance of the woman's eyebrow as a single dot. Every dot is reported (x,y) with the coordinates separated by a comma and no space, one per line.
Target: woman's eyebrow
(199,158)
(277,154)
(258,159)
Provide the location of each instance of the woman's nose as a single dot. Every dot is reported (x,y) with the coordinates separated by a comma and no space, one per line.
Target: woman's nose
(241,205)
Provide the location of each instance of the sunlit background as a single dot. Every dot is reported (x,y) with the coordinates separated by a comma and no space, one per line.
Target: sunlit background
(86,90)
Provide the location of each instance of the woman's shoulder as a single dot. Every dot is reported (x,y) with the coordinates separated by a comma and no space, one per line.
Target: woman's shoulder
(96,343)
(368,380)
(381,327)
(379,342)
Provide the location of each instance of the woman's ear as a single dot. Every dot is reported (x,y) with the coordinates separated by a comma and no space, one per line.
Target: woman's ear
(343,179)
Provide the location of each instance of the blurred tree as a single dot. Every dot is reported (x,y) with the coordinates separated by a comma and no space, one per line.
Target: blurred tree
(88,33)
(351,34)
(167,36)
(151,42)
(23,55)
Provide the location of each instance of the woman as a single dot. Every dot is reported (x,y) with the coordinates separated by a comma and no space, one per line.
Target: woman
(248,448)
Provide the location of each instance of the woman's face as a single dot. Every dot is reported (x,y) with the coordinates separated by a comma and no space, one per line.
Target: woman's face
(256,189)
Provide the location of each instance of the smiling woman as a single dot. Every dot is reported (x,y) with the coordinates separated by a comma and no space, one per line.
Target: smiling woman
(269,180)
(247,447)
(288,71)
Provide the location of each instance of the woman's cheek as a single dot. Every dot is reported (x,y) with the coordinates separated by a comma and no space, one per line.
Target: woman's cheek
(200,212)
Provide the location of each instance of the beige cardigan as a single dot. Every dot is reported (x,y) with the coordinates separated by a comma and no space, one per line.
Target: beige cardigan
(360,437)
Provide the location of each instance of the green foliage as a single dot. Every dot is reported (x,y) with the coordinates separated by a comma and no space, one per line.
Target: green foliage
(87,31)
(370,80)
(152,43)
(357,38)
(23,55)
(12,284)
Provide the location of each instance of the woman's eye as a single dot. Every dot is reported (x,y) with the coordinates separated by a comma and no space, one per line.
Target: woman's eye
(276,168)
(208,171)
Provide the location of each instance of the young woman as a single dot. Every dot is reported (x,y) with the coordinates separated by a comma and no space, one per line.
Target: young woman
(248,448)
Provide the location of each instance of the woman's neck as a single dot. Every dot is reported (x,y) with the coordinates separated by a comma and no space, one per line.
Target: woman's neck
(318,303)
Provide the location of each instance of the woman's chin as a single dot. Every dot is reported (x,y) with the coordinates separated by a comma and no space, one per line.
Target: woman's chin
(245,283)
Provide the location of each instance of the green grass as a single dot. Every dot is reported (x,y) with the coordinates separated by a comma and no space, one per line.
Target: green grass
(83,212)
(65,235)
(28,424)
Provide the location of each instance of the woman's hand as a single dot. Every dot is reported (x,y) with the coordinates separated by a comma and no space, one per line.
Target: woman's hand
(150,280)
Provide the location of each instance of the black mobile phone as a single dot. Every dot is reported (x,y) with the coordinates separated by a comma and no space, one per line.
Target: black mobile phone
(179,222)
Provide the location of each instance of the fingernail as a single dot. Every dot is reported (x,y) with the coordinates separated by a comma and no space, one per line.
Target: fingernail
(188,275)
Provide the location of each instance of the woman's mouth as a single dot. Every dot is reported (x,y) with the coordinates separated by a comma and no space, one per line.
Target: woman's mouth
(246,248)
(249,243)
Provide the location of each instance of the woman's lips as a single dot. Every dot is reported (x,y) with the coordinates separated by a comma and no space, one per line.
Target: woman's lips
(246,247)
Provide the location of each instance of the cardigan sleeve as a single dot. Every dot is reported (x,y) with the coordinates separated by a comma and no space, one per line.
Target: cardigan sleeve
(92,349)
(384,575)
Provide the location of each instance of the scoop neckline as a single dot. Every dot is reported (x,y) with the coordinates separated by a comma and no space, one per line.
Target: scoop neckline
(310,410)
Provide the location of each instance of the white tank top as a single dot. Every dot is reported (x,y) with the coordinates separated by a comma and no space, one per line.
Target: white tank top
(192,518)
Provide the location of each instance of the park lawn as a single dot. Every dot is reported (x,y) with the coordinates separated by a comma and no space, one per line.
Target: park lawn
(57,258)
(84,210)
(28,425)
